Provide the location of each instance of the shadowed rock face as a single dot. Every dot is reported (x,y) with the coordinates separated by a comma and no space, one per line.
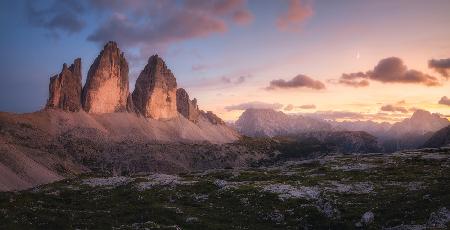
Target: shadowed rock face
(212,117)
(186,107)
(106,88)
(154,95)
(65,88)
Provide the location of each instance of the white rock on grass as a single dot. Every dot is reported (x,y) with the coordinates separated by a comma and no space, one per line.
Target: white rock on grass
(367,218)
(226,185)
(435,156)
(220,183)
(327,209)
(192,220)
(354,167)
(275,217)
(353,188)
(159,179)
(107,181)
(406,227)
(439,219)
(286,191)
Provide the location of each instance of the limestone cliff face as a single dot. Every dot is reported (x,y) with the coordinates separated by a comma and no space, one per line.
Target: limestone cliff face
(186,107)
(212,117)
(65,88)
(106,88)
(154,95)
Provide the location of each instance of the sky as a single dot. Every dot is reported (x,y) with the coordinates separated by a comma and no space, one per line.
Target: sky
(350,59)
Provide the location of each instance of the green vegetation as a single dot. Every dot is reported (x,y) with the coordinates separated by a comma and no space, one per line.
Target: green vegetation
(330,192)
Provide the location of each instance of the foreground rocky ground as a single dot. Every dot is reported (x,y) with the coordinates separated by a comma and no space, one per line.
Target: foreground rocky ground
(407,190)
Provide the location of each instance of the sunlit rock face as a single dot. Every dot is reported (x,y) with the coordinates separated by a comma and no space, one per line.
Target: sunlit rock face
(106,88)
(186,107)
(65,88)
(154,95)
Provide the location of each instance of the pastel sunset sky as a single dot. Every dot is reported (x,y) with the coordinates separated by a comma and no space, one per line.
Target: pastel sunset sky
(349,59)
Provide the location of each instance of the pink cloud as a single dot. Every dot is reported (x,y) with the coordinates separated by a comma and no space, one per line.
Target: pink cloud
(296,82)
(389,70)
(242,17)
(154,25)
(311,106)
(441,66)
(298,11)
(393,108)
(444,101)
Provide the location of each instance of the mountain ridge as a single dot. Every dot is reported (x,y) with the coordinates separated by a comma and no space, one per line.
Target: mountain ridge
(81,123)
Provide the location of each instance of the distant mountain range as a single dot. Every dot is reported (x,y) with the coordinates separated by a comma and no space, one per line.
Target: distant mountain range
(270,123)
(410,133)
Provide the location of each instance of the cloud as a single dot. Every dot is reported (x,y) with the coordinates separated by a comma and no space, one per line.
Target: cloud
(292,107)
(219,7)
(166,22)
(254,105)
(389,70)
(393,108)
(402,102)
(199,67)
(351,80)
(349,115)
(311,106)
(242,17)
(298,11)
(180,26)
(444,101)
(241,79)
(333,115)
(236,80)
(296,82)
(59,16)
(289,107)
(441,66)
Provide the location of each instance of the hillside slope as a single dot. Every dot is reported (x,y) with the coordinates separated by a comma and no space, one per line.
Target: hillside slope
(439,139)
(49,145)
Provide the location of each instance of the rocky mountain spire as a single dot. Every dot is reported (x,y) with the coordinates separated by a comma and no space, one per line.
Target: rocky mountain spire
(65,88)
(106,89)
(154,95)
(186,107)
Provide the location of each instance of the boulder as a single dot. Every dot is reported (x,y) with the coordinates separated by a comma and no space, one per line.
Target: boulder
(65,88)
(106,89)
(186,107)
(154,95)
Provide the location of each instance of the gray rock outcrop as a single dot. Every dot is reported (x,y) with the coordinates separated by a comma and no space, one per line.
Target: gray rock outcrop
(186,107)
(65,88)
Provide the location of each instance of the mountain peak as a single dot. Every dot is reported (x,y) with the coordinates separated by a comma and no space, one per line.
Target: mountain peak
(421,114)
(106,88)
(154,95)
(156,61)
(65,88)
(421,122)
(111,45)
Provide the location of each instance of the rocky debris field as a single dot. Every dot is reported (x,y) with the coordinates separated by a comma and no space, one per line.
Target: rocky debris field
(405,190)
